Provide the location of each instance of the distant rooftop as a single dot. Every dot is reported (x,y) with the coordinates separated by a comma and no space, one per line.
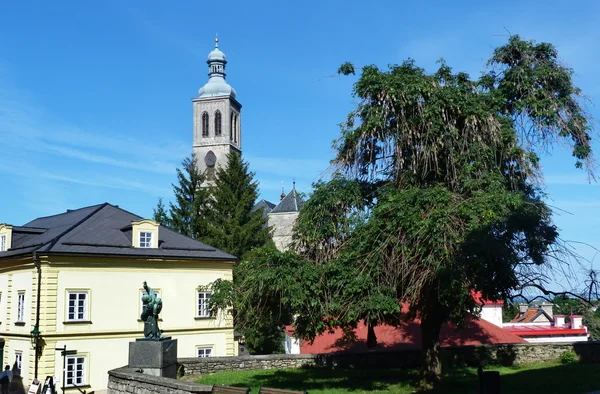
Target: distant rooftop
(292,202)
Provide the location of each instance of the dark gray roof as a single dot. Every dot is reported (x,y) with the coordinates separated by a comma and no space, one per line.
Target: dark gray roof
(265,205)
(102,229)
(290,203)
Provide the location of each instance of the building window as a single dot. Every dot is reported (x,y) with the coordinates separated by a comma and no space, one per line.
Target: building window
(231,127)
(204,352)
(217,123)
(19,359)
(21,307)
(2,243)
(77,309)
(203,300)
(75,371)
(145,239)
(235,137)
(204,124)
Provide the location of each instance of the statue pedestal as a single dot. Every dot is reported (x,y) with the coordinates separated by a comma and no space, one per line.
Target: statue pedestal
(154,357)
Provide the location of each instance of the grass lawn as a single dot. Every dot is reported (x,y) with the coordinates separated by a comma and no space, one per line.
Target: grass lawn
(537,379)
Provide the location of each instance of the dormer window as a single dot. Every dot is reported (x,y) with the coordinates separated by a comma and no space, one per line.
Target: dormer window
(5,237)
(144,234)
(145,239)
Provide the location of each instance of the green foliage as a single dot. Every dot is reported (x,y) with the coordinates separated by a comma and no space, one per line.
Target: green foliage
(268,286)
(531,83)
(160,213)
(328,218)
(232,225)
(222,216)
(188,214)
(509,311)
(346,69)
(264,338)
(438,194)
(453,164)
(565,305)
(569,357)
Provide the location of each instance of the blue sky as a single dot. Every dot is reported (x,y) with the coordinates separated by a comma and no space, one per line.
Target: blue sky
(95,96)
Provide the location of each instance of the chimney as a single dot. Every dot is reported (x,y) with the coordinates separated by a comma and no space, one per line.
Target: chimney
(547,307)
(523,308)
(559,320)
(576,321)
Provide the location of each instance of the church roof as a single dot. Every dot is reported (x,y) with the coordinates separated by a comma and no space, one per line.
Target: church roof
(265,205)
(105,230)
(290,203)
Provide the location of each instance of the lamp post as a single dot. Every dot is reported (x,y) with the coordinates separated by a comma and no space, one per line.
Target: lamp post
(35,342)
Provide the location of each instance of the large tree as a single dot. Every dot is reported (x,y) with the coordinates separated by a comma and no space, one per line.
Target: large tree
(233,225)
(439,194)
(188,213)
(160,214)
(459,206)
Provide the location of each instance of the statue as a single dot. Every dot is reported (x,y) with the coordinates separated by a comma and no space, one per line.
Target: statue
(152,305)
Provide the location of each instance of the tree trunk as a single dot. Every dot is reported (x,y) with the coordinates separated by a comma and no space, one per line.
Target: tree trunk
(371,337)
(431,323)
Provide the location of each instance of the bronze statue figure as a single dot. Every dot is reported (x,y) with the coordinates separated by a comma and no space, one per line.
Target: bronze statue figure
(152,305)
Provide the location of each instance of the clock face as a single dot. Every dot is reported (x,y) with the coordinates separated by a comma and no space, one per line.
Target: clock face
(210,159)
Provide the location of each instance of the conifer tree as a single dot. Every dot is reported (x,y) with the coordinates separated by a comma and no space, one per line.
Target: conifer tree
(233,226)
(160,213)
(188,215)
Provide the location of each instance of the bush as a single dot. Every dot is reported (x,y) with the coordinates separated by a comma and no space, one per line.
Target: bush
(569,357)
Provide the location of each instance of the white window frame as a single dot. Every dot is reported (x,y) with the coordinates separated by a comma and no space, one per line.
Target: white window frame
(69,380)
(147,235)
(19,360)
(20,307)
(204,351)
(3,243)
(202,303)
(77,316)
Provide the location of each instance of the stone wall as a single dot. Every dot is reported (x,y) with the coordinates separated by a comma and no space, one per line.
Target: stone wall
(513,354)
(128,381)
(208,365)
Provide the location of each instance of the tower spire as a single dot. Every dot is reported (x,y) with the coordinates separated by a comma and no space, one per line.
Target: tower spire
(216,85)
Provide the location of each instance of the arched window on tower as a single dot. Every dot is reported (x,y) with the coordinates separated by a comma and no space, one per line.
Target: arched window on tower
(231,127)
(235,128)
(217,122)
(204,124)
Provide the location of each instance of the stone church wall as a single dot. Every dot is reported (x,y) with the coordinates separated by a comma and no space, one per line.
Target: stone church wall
(283,224)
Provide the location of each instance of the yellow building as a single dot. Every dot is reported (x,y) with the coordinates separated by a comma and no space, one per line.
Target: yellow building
(75,280)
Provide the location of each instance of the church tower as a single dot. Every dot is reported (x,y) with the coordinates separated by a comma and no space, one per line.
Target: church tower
(217,118)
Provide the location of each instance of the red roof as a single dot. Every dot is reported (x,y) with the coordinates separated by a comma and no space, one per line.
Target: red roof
(480,300)
(535,330)
(408,336)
